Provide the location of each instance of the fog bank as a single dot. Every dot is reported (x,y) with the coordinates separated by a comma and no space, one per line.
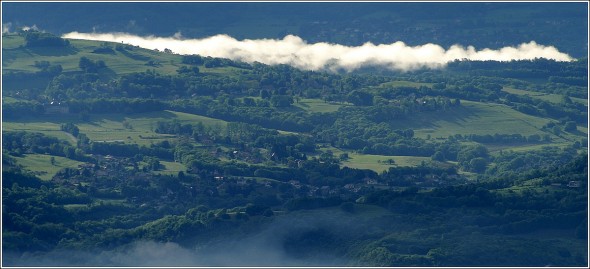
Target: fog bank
(273,243)
(294,51)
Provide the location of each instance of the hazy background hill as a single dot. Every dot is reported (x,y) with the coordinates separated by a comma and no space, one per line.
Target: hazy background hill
(491,25)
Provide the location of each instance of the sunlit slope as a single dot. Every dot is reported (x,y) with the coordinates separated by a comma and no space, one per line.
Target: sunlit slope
(473,118)
(132,129)
(43,167)
(553,98)
(17,58)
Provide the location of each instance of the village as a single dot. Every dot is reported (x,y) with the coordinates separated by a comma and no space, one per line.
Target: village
(140,184)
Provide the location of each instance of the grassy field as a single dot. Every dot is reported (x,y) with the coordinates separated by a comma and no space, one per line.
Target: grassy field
(9,100)
(11,41)
(403,83)
(41,164)
(317,105)
(45,125)
(524,147)
(17,58)
(378,163)
(23,59)
(473,118)
(549,97)
(109,127)
(171,168)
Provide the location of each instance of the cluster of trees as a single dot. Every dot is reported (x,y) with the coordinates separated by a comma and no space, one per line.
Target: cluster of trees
(512,163)
(503,138)
(567,109)
(372,130)
(115,105)
(280,85)
(268,117)
(538,68)
(509,213)
(46,68)
(34,39)
(90,66)
(26,142)
(130,150)
(70,128)
(16,110)
(42,220)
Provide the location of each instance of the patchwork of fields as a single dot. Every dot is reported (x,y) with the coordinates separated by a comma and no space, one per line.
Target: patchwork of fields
(470,118)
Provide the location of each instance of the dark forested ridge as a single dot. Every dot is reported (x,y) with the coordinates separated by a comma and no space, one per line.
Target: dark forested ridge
(485,25)
(111,151)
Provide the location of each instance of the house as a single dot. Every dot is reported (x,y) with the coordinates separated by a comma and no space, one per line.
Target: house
(295,183)
(574,184)
(86,166)
(242,182)
(370,181)
(325,190)
(56,108)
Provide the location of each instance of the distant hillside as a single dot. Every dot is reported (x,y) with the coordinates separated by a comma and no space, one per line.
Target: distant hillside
(491,25)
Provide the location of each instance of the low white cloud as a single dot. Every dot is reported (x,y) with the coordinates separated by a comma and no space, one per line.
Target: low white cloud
(294,51)
(34,28)
(6,27)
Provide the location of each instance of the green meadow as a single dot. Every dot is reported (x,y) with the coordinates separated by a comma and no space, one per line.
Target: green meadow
(404,83)
(378,163)
(18,58)
(171,168)
(317,105)
(549,97)
(473,118)
(41,165)
(110,127)
(398,83)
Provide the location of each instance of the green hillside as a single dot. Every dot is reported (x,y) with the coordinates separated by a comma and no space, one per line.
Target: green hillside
(42,166)
(18,58)
(471,118)
(128,149)
(475,118)
(135,129)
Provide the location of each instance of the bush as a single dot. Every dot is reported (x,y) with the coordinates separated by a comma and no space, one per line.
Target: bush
(570,126)
(347,207)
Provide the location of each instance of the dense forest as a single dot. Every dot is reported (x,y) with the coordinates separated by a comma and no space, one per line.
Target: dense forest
(111,151)
(485,25)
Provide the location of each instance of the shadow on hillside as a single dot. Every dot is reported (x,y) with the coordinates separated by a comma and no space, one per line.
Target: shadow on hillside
(456,115)
(53,51)
(12,54)
(94,120)
(303,105)
(578,133)
(134,56)
(107,74)
(119,117)
(291,108)
(7,58)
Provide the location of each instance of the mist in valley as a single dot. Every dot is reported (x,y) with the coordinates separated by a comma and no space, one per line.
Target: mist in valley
(304,238)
